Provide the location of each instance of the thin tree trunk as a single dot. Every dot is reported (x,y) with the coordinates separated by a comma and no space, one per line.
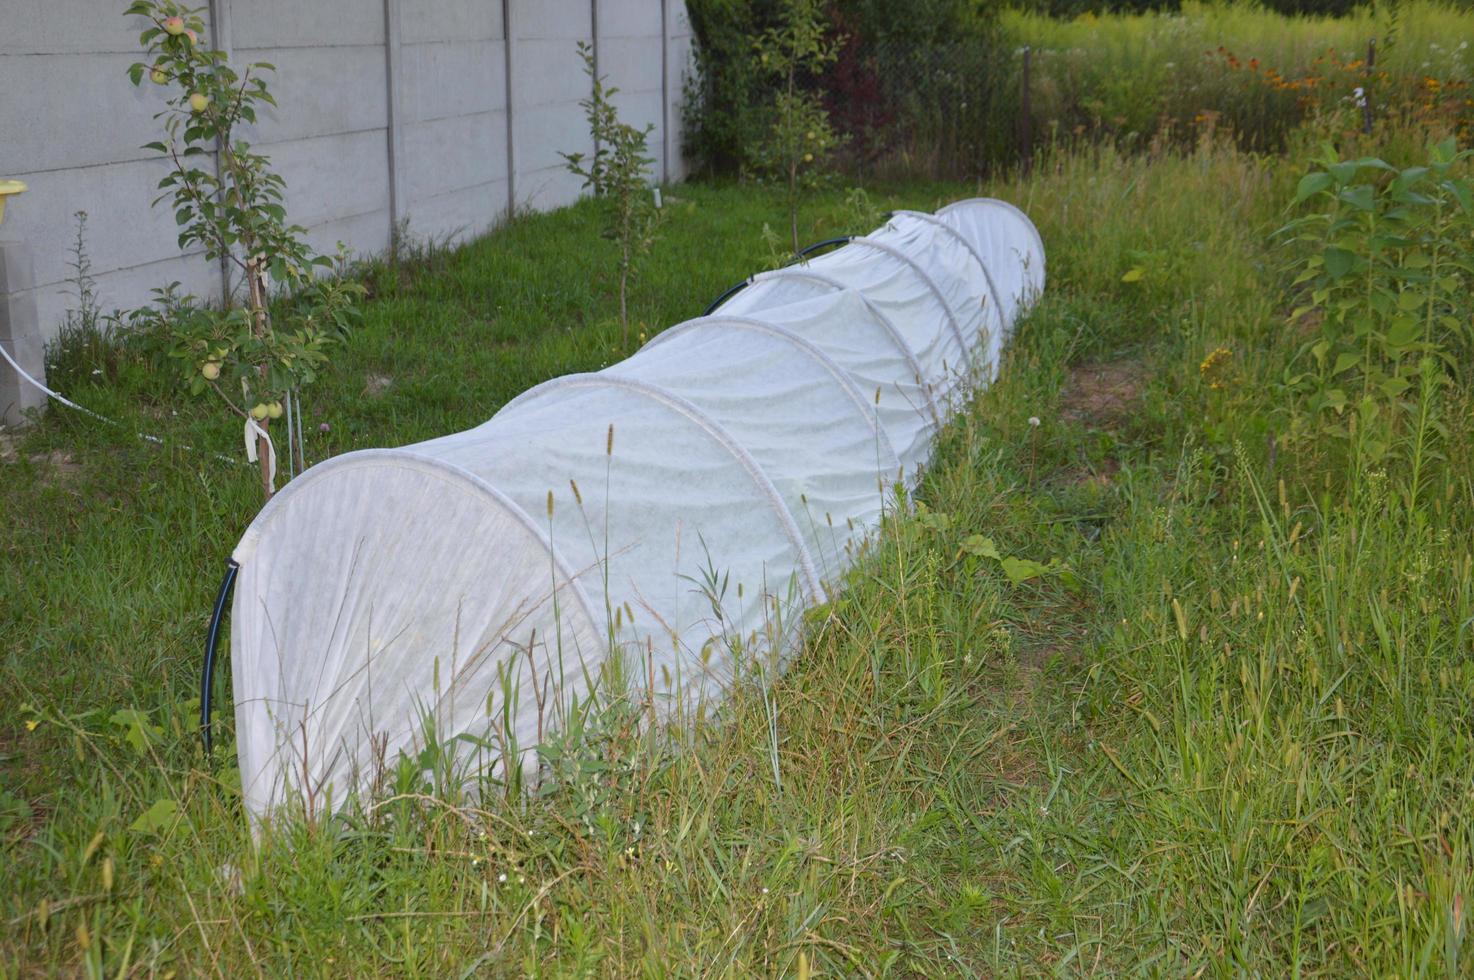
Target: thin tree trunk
(256,287)
(793,155)
(624,317)
(793,210)
(257,296)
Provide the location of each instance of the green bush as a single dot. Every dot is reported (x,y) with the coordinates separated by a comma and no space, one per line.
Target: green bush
(1070,9)
(725,93)
(931,83)
(1314,8)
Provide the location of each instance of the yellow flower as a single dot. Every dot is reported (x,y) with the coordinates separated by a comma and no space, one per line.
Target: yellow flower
(1211,368)
(31,725)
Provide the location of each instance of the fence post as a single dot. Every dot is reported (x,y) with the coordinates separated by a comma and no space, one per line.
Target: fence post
(664,91)
(393,120)
(1366,88)
(20,333)
(507,86)
(1025,120)
(594,51)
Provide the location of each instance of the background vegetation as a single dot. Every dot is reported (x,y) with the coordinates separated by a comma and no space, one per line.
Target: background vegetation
(936,89)
(1136,79)
(1228,732)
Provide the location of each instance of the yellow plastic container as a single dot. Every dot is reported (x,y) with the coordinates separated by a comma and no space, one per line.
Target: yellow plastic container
(7,188)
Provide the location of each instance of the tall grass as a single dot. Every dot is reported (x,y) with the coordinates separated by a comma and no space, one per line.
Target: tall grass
(1127,77)
(1226,732)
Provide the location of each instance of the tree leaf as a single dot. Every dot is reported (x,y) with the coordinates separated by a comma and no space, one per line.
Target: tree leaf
(1409,300)
(1404,331)
(1312,184)
(982,546)
(1022,569)
(1344,360)
(1338,261)
(1394,386)
(163,814)
(1359,197)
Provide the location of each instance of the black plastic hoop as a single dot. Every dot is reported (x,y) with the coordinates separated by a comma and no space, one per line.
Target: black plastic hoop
(212,641)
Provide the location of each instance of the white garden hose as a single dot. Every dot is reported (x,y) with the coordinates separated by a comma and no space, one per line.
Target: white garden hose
(26,376)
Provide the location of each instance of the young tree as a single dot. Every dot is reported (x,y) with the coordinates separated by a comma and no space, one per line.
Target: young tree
(618,174)
(800,138)
(231,208)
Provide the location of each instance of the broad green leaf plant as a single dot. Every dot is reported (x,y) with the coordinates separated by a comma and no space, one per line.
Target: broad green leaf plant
(619,175)
(1384,260)
(228,204)
(800,139)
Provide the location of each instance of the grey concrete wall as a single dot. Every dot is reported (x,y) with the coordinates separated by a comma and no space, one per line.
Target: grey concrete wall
(391,110)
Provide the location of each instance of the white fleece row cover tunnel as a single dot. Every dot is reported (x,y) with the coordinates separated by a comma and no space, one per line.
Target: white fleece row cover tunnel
(675,507)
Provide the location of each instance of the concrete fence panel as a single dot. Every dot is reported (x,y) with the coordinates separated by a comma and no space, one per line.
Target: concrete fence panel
(439,116)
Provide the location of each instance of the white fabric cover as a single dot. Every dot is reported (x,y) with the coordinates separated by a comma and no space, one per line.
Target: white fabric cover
(1007,241)
(857,337)
(660,515)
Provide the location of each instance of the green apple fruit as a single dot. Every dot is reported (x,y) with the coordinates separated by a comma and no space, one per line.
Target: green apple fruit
(260,411)
(158,76)
(274,410)
(211,370)
(174,25)
(198,101)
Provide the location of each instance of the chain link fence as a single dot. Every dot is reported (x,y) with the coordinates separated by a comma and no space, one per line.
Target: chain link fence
(943,110)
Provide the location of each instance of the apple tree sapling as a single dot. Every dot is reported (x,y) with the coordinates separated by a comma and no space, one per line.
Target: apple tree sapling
(619,175)
(231,209)
(800,138)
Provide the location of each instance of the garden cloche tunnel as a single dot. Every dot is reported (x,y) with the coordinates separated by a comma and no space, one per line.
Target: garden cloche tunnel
(663,518)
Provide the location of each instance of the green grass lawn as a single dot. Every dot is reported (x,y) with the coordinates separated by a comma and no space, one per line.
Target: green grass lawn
(1229,732)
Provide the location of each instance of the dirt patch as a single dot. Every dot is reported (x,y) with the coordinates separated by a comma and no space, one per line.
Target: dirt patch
(57,459)
(376,385)
(1102,476)
(58,468)
(8,452)
(1102,396)
(1036,658)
